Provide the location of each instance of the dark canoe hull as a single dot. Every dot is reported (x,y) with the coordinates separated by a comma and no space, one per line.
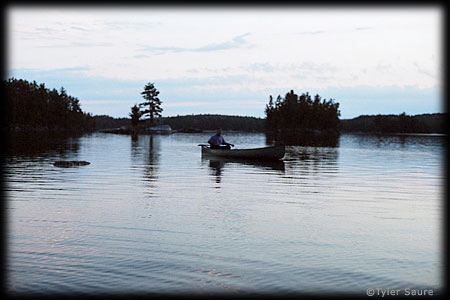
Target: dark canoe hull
(70,163)
(266,153)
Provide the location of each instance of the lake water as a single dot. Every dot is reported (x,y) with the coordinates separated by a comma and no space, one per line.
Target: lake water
(151,215)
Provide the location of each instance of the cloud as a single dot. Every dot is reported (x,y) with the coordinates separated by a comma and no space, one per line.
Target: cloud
(236,42)
(46,30)
(186,104)
(129,25)
(260,67)
(58,73)
(424,71)
(79,28)
(311,32)
(76,44)
(306,66)
(384,67)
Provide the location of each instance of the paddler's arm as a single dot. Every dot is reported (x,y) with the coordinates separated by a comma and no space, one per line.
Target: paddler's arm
(228,144)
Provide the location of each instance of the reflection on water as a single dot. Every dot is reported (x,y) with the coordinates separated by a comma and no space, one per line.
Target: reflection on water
(37,143)
(399,141)
(216,168)
(304,139)
(315,159)
(145,155)
(152,159)
(149,214)
(315,154)
(217,165)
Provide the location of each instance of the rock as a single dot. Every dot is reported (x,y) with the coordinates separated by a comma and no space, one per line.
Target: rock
(70,163)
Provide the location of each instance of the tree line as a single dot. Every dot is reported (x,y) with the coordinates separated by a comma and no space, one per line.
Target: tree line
(33,106)
(302,113)
(424,123)
(402,123)
(189,123)
(211,122)
(108,122)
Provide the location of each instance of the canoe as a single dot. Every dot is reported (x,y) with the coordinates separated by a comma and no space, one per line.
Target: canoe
(269,153)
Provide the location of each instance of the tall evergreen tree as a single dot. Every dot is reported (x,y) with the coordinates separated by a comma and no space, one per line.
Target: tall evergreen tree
(152,104)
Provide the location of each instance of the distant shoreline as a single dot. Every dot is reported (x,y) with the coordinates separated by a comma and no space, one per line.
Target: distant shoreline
(422,123)
(365,124)
(208,131)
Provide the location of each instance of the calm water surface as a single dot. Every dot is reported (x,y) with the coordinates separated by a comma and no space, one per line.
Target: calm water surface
(151,215)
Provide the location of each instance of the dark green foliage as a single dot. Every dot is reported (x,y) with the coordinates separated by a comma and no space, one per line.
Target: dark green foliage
(192,122)
(402,123)
(152,104)
(295,113)
(108,122)
(212,122)
(33,106)
(135,115)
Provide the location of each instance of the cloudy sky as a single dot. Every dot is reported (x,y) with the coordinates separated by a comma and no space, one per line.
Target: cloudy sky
(229,60)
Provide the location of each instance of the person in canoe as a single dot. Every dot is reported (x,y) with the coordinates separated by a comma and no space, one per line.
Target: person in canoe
(217,141)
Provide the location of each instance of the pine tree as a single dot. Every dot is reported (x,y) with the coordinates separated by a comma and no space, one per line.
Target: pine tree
(135,115)
(152,104)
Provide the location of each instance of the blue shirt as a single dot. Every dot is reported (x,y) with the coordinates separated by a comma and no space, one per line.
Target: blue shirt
(216,140)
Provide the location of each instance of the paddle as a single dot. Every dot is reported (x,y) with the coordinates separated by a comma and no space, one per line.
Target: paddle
(207,145)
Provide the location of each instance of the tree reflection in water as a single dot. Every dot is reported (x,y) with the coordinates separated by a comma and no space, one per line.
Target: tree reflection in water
(304,160)
(217,165)
(42,144)
(304,139)
(216,169)
(146,149)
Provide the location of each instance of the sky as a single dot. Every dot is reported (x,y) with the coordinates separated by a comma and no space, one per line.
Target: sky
(229,60)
